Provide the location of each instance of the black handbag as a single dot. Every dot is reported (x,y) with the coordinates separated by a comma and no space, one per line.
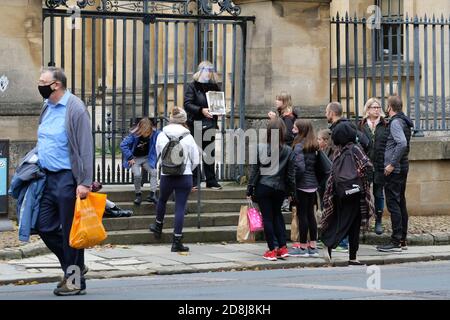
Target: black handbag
(323,166)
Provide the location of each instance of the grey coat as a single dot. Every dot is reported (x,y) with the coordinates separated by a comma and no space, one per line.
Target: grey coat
(79,134)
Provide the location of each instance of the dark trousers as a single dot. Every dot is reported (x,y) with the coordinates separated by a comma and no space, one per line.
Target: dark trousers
(346,222)
(56,216)
(182,186)
(209,169)
(379,200)
(270,201)
(305,214)
(394,189)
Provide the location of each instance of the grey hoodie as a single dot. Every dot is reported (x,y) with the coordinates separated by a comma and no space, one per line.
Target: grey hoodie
(79,134)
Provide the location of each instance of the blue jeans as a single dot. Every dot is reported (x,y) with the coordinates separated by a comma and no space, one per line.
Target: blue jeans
(344,243)
(379,200)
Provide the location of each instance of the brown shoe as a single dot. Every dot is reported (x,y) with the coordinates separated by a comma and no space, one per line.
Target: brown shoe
(63,280)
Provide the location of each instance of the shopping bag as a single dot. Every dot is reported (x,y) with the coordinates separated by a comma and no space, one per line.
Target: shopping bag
(243,233)
(255,220)
(295,236)
(87,228)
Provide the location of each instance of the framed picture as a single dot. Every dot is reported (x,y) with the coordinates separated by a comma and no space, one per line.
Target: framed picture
(216,102)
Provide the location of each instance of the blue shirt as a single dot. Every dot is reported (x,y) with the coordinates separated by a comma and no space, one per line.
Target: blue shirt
(53,144)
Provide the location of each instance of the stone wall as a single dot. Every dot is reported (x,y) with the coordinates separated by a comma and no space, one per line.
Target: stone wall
(288,49)
(428,188)
(20,57)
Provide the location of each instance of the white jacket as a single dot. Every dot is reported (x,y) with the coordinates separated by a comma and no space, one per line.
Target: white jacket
(190,148)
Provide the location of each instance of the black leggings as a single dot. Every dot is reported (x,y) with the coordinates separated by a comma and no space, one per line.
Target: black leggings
(305,214)
(270,201)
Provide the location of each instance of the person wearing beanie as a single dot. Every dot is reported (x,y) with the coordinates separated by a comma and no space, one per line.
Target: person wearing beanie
(181,184)
(344,216)
(196,105)
(178,116)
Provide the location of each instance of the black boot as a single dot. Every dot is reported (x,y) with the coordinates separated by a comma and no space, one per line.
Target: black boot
(138,199)
(156,228)
(177,246)
(378,225)
(152,197)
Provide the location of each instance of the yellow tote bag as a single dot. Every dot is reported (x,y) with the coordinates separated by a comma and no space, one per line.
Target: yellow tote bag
(87,228)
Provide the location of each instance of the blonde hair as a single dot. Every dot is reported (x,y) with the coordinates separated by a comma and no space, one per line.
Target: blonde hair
(325,134)
(285,97)
(205,64)
(143,128)
(368,104)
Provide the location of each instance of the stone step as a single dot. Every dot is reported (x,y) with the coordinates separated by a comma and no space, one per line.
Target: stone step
(212,206)
(126,193)
(190,235)
(190,220)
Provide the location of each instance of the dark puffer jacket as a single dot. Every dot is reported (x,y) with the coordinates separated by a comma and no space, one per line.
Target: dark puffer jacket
(305,164)
(195,100)
(377,146)
(278,174)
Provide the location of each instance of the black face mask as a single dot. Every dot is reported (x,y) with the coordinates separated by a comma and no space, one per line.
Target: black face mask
(46,91)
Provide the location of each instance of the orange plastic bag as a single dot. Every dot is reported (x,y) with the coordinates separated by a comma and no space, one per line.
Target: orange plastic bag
(87,228)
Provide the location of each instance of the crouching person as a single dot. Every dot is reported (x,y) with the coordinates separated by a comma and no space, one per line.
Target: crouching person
(179,156)
(139,151)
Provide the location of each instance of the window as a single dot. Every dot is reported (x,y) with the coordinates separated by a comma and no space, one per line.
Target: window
(209,43)
(390,10)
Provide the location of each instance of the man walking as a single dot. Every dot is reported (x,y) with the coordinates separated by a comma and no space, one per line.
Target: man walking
(396,171)
(65,153)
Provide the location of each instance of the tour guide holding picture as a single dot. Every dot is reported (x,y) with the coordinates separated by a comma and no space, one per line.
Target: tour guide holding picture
(196,107)
(65,152)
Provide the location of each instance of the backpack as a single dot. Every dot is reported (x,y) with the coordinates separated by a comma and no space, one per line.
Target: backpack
(347,180)
(172,157)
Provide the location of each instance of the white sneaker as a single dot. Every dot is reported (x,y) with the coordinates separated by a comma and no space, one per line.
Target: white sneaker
(326,255)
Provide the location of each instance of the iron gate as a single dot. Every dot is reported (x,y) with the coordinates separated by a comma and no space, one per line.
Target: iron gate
(131,59)
(393,54)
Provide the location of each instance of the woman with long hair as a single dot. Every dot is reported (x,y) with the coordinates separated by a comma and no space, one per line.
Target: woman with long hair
(285,110)
(269,186)
(305,148)
(375,127)
(139,151)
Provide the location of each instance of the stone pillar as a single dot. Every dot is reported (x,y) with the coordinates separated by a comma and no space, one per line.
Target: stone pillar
(288,50)
(20,63)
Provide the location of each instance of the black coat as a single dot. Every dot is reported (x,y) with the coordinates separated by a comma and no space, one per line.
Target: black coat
(305,168)
(377,146)
(195,100)
(344,131)
(284,177)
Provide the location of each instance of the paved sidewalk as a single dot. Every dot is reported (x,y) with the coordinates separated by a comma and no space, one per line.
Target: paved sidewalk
(144,260)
